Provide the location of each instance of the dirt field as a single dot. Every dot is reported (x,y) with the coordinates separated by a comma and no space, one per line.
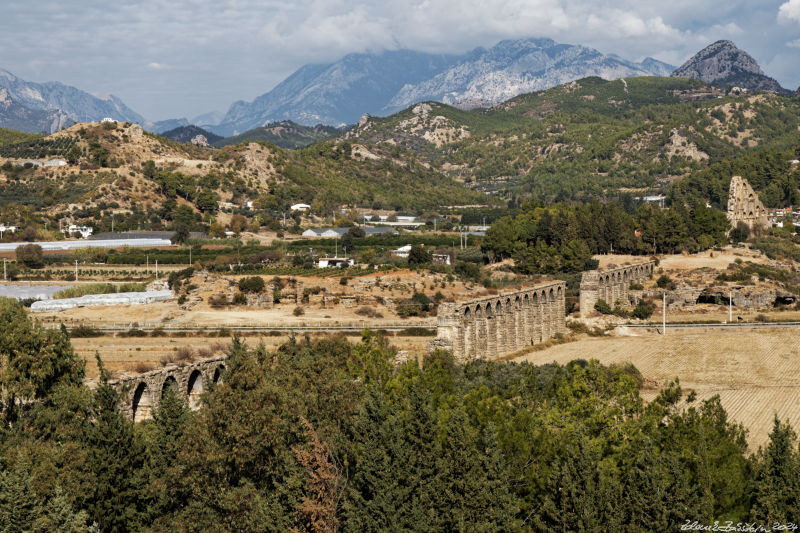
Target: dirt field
(708,259)
(125,354)
(755,372)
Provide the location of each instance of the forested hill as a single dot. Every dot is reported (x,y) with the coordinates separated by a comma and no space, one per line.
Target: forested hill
(121,166)
(591,136)
(286,134)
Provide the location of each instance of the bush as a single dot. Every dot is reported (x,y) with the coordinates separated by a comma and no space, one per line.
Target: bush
(417,331)
(602,307)
(251,284)
(643,310)
(298,311)
(30,255)
(367,311)
(418,255)
(134,332)
(343,280)
(761,318)
(422,299)
(636,286)
(239,299)
(665,282)
(84,331)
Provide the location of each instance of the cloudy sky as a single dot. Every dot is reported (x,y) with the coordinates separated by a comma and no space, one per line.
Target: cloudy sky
(176,58)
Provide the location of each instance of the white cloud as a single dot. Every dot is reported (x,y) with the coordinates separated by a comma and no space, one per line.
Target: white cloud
(210,53)
(794,44)
(789,11)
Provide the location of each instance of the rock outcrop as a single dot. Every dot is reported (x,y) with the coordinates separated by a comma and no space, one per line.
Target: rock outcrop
(723,64)
(744,205)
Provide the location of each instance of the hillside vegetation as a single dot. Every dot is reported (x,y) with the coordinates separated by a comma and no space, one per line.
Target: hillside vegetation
(285,134)
(8,136)
(591,136)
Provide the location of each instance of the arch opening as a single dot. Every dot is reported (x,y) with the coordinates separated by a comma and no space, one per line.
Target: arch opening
(195,389)
(142,404)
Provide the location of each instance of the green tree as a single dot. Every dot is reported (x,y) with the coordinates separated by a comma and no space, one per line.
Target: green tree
(777,481)
(116,461)
(30,255)
(418,255)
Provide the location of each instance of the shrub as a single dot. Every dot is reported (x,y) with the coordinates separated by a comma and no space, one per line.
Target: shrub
(343,280)
(251,284)
(298,311)
(602,307)
(368,311)
(30,255)
(217,300)
(141,367)
(417,331)
(643,310)
(239,299)
(84,331)
(422,299)
(761,318)
(636,286)
(665,282)
(134,332)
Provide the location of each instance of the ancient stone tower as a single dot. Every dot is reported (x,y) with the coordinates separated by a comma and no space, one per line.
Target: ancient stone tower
(744,205)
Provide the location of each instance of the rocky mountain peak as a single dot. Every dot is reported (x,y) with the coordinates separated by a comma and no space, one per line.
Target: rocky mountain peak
(719,61)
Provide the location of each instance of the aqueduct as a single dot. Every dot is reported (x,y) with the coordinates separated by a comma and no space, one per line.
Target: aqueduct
(143,392)
(490,327)
(612,284)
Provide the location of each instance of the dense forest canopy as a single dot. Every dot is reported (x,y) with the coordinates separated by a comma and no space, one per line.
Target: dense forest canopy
(328,435)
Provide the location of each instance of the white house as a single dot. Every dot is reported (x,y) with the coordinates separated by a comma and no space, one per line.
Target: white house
(300,207)
(403,251)
(4,228)
(326,262)
(109,119)
(85,231)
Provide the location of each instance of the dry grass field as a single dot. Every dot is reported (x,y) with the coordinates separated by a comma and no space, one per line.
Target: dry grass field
(755,372)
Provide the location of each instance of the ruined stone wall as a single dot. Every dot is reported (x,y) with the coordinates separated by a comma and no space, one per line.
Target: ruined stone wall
(611,285)
(744,205)
(490,327)
(142,393)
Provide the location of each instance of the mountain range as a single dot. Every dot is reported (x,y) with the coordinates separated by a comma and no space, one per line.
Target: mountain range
(47,107)
(382,83)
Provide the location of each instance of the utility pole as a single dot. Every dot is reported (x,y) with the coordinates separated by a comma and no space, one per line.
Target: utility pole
(4,270)
(76,270)
(730,306)
(190,256)
(147,265)
(156,268)
(664,314)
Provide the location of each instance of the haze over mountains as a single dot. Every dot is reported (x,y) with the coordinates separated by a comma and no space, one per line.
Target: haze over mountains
(37,107)
(383,83)
(386,82)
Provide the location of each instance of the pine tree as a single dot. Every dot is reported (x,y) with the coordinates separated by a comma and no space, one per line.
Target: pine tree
(19,505)
(776,496)
(116,460)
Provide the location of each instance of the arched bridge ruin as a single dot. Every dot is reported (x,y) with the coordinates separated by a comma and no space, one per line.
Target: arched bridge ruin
(143,392)
(490,327)
(611,284)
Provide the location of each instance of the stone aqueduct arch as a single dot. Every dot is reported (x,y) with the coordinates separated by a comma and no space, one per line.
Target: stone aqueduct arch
(490,327)
(143,392)
(611,285)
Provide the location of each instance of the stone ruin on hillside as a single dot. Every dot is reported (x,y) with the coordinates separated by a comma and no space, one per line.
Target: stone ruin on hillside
(744,205)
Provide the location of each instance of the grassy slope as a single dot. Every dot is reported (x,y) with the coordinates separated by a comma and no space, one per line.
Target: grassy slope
(8,136)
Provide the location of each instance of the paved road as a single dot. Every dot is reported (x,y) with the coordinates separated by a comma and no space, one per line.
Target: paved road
(732,325)
(119,328)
